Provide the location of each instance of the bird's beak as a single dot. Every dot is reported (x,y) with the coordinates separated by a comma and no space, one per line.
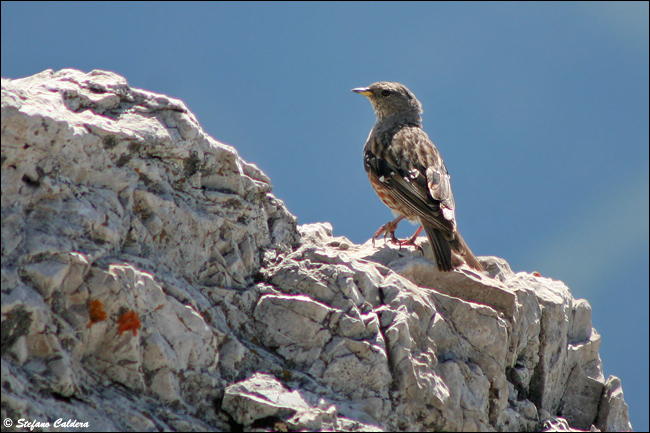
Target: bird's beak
(363,91)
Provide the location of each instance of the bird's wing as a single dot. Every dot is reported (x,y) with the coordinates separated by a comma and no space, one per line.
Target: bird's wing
(415,176)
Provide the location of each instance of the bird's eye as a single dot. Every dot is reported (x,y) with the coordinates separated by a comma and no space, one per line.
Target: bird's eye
(385,93)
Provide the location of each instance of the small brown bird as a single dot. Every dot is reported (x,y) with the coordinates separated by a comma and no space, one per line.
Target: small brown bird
(409,176)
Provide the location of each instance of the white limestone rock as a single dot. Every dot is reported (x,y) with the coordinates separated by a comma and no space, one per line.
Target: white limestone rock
(151,281)
(115,195)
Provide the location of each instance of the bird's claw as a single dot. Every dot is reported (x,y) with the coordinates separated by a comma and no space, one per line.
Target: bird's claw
(388,230)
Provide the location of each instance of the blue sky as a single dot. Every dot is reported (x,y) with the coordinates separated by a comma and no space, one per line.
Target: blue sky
(540,111)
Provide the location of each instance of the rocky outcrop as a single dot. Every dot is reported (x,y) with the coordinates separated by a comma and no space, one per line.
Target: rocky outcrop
(150,281)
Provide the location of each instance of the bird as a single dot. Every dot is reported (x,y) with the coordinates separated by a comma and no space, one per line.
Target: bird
(409,176)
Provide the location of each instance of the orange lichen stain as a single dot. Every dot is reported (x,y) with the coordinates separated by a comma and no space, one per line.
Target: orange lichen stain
(537,274)
(96,312)
(281,426)
(129,321)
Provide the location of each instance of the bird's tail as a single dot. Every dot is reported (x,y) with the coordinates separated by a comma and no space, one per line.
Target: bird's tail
(441,248)
(450,254)
(460,246)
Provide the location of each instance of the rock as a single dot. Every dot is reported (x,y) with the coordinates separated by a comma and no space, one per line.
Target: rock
(151,281)
(264,398)
(114,197)
(613,412)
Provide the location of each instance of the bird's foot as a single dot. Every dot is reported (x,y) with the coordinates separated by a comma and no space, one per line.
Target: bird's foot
(388,230)
(411,241)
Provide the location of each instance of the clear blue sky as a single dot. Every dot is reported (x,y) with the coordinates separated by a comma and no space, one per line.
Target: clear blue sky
(540,111)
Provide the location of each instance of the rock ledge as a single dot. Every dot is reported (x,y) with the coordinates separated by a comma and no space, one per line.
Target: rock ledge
(151,281)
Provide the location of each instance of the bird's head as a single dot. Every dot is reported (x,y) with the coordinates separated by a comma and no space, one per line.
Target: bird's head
(392,101)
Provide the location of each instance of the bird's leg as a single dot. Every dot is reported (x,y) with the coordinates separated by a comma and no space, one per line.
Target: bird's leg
(388,229)
(411,240)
